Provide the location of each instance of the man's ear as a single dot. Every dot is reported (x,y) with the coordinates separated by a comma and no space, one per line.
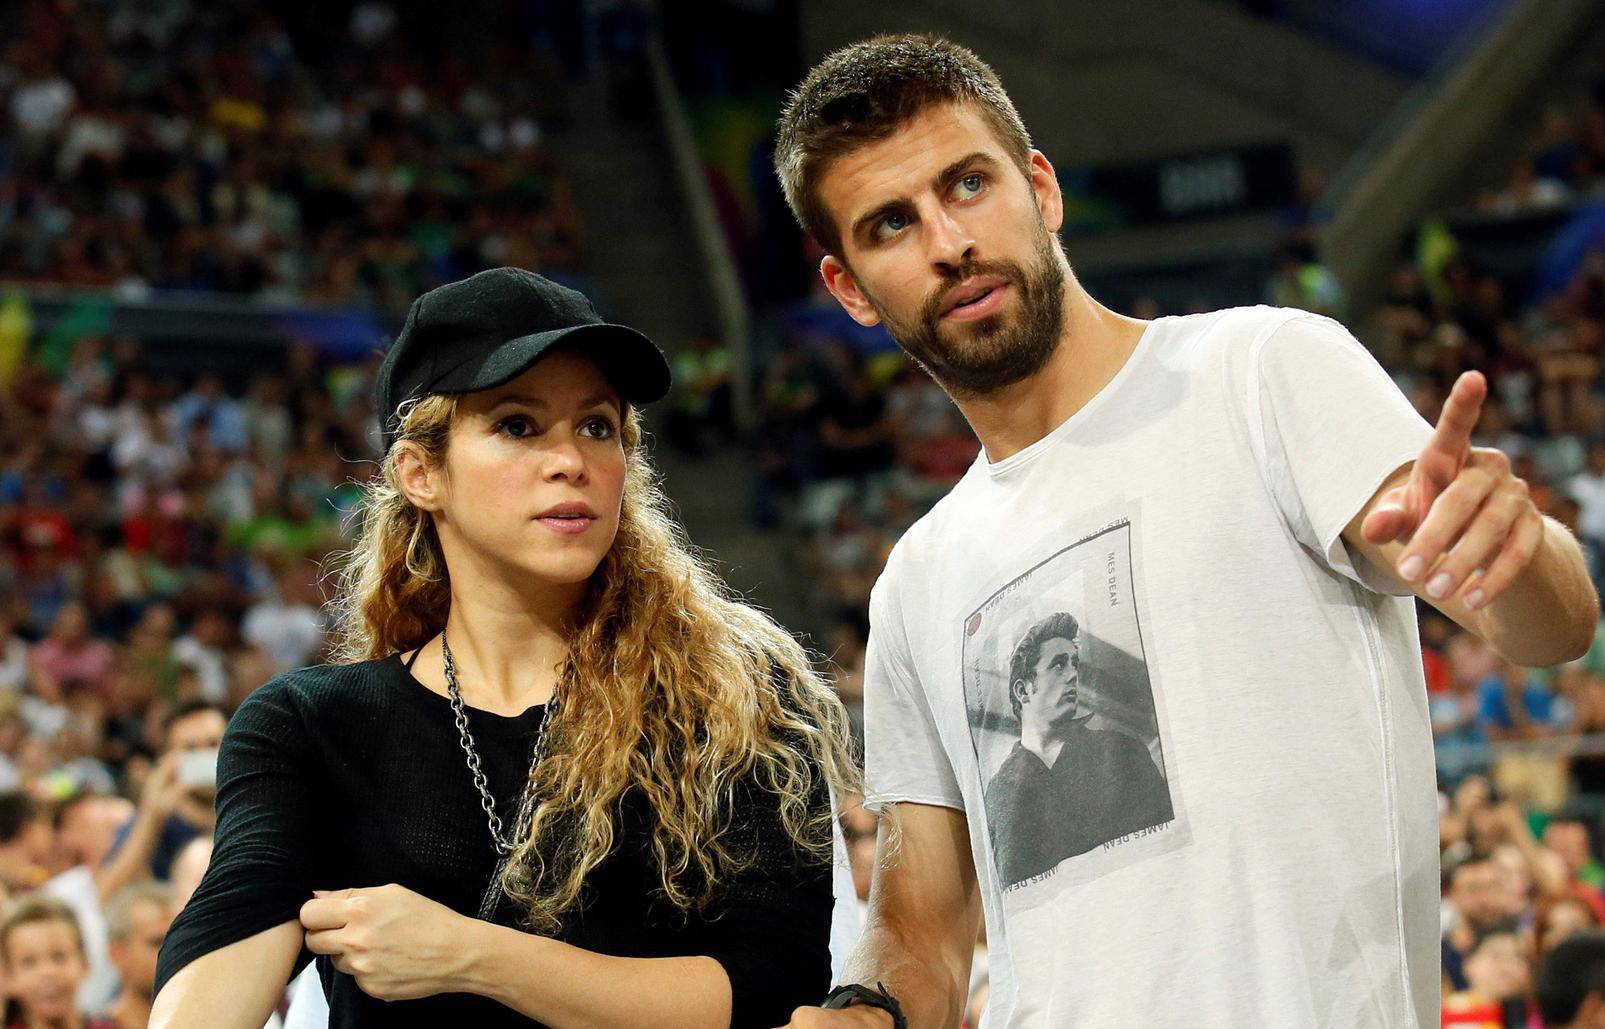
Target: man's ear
(1045,184)
(844,287)
(418,480)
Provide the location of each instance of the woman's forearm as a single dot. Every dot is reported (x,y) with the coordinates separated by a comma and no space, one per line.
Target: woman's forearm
(234,987)
(569,988)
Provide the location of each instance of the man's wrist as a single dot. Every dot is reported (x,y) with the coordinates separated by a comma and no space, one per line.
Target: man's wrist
(864,997)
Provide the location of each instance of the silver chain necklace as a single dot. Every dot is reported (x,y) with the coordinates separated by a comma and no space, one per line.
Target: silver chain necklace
(504,846)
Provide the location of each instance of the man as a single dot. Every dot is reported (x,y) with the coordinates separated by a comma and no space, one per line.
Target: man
(1243,502)
(1571,982)
(1499,980)
(193,734)
(1477,905)
(27,842)
(1065,787)
(136,923)
(98,868)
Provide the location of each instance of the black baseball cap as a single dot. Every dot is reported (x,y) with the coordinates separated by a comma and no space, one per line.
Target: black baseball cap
(489,328)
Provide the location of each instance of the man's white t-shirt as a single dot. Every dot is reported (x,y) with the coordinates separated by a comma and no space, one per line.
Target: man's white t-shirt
(1239,827)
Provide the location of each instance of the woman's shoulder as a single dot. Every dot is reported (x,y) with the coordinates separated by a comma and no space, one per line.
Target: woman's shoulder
(317,690)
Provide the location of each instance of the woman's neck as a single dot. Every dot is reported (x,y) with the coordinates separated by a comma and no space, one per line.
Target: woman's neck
(508,650)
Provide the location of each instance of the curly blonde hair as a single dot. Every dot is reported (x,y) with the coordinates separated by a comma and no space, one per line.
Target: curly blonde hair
(673,687)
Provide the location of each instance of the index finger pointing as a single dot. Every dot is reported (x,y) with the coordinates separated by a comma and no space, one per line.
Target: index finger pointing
(1459,417)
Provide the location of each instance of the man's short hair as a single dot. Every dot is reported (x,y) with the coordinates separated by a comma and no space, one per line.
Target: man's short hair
(865,92)
(1570,972)
(120,909)
(1061,625)
(17,811)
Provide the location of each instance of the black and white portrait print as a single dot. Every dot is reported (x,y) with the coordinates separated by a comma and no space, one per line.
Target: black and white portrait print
(1062,712)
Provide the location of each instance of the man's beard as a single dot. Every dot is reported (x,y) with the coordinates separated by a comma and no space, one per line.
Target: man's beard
(994,351)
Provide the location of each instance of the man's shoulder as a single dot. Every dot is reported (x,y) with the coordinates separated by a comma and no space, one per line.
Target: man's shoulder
(929,537)
(1234,329)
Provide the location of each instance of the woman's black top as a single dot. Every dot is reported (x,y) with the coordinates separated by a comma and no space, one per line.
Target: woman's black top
(344,776)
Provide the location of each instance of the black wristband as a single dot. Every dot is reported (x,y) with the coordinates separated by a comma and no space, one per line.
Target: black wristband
(857,993)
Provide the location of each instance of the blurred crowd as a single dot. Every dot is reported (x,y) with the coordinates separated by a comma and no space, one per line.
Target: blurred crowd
(168,144)
(162,543)
(1564,160)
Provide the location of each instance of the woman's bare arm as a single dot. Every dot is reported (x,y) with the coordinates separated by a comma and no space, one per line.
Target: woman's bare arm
(557,984)
(235,987)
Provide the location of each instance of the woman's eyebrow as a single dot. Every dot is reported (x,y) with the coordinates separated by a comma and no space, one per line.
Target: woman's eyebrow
(594,400)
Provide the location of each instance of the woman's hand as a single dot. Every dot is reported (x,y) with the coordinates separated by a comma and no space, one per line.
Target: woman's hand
(397,944)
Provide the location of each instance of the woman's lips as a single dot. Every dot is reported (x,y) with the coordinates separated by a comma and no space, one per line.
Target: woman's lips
(570,524)
(981,308)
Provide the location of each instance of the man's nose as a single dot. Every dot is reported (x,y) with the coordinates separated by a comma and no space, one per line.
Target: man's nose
(949,242)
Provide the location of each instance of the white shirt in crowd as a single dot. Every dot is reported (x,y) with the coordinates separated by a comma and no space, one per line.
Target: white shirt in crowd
(1236,825)
(76,889)
(1588,490)
(287,634)
(209,665)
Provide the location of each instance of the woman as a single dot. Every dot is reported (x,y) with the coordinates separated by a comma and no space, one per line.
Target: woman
(549,718)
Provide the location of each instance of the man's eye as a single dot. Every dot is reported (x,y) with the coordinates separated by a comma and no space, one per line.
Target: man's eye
(970,185)
(891,225)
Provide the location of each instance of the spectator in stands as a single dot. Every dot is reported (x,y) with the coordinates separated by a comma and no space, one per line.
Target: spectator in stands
(1499,980)
(1562,919)
(27,842)
(287,627)
(703,408)
(43,955)
(1571,983)
(1569,837)
(1587,487)
(855,433)
(246,156)
(99,862)
(188,769)
(69,657)
(1515,705)
(1476,906)
(136,923)
(1457,730)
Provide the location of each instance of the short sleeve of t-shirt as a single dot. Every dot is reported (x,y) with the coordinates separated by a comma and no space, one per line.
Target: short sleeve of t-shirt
(261,871)
(1332,428)
(903,755)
